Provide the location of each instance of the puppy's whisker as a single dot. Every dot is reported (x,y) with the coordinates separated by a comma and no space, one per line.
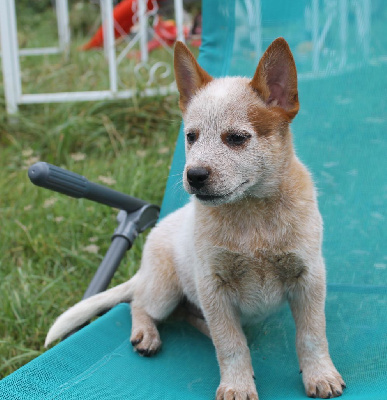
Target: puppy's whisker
(178,186)
(179,174)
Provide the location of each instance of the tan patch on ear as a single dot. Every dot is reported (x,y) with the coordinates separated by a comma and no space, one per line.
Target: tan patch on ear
(275,79)
(189,75)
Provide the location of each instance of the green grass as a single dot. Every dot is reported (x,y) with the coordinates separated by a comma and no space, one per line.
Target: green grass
(51,245)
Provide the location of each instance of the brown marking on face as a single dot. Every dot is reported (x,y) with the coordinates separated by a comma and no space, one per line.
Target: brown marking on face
(266,122)
(192,136)
(240,135)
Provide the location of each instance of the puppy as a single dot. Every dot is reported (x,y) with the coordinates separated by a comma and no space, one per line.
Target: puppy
(250,238)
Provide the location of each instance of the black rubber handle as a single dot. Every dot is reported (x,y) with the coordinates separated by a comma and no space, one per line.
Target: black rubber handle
(60,180)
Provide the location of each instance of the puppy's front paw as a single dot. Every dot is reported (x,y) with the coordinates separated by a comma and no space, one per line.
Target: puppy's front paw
(146,341)
(236,392)
(321,379)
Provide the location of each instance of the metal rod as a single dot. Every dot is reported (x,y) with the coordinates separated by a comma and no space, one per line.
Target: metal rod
(179,13)
(62,16)
(143,20)
(94,95)
(10,56)
(108,266)
(108,37)
(15,48)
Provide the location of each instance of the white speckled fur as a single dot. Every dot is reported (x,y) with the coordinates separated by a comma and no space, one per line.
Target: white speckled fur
(253,245)
(219,112)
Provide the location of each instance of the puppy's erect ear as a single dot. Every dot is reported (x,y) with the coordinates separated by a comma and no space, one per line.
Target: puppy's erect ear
(190,76)
(275,78)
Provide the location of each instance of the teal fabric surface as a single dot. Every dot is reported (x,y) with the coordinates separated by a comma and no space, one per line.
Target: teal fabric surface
(340,134)
(99,363)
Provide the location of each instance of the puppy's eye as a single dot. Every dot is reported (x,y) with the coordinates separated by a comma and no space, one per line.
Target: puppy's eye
(235,139)
(191,137)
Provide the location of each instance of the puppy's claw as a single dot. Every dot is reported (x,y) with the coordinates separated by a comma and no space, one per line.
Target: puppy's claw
(230,393)
(146,352)
(135,342)
(322,380)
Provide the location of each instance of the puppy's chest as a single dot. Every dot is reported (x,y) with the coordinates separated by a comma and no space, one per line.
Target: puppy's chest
(257,283)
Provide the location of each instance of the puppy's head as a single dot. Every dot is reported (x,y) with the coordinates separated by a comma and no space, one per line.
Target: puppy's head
(237,136)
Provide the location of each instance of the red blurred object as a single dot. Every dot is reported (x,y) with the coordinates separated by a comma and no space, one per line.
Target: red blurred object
(196,42)
(167,32)
(123,15)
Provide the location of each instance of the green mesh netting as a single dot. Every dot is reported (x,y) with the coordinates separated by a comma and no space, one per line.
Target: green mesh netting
(340,49)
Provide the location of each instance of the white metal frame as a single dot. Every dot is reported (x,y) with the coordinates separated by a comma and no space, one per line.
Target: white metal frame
(11,54)
(62,17)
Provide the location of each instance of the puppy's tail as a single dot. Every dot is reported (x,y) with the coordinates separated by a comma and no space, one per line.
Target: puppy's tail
(83,311)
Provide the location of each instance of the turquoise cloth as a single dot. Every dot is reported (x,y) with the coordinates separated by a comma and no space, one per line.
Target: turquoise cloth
(340,134)
(98,362)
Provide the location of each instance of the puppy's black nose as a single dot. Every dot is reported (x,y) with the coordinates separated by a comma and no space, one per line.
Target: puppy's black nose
(197,177)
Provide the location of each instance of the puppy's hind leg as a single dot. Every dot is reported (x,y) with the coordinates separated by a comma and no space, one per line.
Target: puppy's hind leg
(157,294)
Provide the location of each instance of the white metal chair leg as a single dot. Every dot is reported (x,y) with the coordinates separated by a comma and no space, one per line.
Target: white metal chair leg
(10,55)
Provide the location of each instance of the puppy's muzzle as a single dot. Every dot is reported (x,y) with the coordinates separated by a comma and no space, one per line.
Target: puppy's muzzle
(197,177)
